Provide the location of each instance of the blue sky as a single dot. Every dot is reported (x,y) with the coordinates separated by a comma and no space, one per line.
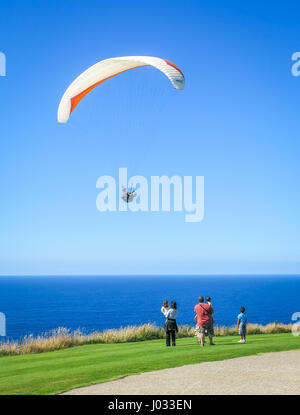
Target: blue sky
(236,123)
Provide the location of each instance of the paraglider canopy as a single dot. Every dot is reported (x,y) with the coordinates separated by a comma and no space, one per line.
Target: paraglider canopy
(106,69)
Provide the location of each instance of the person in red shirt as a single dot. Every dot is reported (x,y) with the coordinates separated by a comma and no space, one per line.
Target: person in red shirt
(204,314)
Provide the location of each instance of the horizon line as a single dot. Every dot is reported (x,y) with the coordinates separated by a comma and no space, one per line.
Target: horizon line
(155,275)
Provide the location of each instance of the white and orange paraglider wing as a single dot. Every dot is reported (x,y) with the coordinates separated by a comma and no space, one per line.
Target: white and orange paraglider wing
(106,69)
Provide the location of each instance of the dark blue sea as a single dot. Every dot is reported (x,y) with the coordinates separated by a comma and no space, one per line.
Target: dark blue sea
(34,305)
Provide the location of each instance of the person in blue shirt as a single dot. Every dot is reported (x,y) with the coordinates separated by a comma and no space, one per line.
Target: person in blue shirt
(242,325)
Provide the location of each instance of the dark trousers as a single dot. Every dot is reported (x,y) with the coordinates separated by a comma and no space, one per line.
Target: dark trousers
(169,334)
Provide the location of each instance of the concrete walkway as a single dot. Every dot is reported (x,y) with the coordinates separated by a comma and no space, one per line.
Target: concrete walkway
(269,373)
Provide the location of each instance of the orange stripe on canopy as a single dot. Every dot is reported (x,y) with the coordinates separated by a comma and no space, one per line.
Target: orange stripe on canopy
(77,98)
(174,66)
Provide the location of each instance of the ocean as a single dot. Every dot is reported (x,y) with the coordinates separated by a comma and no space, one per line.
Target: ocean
(34,305)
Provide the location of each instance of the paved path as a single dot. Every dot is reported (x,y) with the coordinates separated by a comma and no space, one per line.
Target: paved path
(269,373)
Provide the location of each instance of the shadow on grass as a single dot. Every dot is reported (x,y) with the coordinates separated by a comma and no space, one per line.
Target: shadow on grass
(217,343)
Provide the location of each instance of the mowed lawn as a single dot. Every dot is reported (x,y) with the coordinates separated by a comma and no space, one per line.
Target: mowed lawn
(58,371)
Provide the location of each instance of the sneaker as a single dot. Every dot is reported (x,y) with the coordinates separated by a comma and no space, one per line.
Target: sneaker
(241,341)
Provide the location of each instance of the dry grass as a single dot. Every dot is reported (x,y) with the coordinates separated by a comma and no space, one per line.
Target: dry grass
(62,337)
(271,328)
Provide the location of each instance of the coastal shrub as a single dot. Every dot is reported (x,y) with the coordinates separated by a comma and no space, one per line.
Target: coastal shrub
(62,337)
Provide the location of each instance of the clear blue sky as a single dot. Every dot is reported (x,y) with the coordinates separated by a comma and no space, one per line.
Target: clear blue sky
(236,123)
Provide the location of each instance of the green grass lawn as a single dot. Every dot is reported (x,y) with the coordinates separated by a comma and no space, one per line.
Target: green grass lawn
(58,371)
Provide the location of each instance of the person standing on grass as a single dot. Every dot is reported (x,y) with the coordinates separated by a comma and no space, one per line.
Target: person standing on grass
(242,325)
(171,324)
(204,314)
